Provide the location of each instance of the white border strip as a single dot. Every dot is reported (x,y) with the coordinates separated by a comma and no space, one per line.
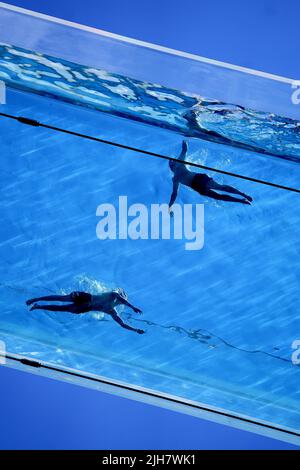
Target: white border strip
(148,45)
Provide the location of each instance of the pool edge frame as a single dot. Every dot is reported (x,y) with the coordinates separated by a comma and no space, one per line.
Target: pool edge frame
(151,397)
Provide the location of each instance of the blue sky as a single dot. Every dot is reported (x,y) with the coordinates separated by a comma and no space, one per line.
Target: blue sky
(41,413)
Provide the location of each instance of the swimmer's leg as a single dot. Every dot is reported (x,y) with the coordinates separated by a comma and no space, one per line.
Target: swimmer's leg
(58,308)
(119,320)
(228,189)
(59,298)
(224,197)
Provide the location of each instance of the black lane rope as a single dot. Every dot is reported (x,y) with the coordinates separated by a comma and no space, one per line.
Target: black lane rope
(40,365)
(34,123)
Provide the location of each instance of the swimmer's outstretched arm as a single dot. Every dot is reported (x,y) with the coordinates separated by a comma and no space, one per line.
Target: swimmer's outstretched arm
(174,164)
(184,150)
(125,302)
(182,156)
(174,192)
(119,320)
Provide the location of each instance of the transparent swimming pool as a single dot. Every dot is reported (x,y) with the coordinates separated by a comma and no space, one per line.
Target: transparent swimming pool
(220,322)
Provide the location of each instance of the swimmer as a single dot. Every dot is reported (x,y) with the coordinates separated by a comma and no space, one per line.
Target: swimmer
(83,302)
(201,183)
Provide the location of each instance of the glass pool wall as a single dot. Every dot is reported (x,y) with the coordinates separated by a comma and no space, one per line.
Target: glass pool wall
(220,321)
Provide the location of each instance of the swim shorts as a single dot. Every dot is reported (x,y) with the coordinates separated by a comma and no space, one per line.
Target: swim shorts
(200,182)
(80,298)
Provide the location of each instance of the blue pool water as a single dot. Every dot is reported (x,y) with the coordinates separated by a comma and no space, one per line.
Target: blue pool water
(219,322)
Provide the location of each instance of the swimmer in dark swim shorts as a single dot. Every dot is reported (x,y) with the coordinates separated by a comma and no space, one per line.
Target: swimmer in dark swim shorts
(201,183)
(83,302)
